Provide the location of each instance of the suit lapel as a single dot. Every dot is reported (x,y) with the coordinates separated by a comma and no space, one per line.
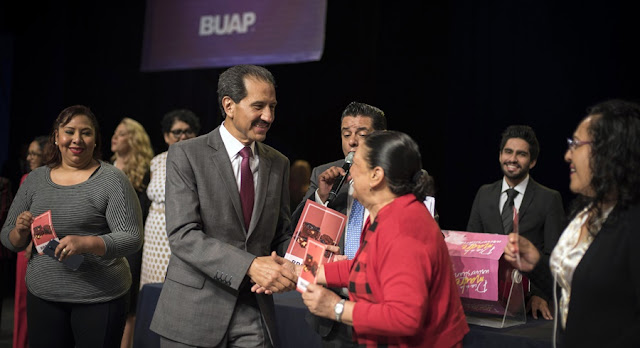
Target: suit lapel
(264,170)
(494,205)
(527,199)
(220,158)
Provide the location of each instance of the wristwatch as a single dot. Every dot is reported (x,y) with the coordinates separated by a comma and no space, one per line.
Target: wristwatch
(338,309)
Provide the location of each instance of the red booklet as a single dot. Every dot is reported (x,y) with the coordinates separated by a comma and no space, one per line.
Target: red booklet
(313,258)
(42,231)
(319,223)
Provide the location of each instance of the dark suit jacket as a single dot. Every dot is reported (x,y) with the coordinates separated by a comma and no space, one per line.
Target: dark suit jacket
(339,203)
(322,325)
(541,220)
(211,249)
(604,310)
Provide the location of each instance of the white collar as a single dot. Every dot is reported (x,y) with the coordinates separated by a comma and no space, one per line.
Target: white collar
(521,187)
(232,144)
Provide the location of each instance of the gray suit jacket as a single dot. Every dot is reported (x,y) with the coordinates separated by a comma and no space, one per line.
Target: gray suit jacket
(211,249)
(321,325)
(541,220)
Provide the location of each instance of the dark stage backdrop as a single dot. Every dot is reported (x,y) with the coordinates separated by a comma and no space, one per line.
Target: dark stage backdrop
(453,75)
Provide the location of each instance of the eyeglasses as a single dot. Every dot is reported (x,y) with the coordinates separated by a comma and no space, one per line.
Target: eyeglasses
(574,144)
(178,132)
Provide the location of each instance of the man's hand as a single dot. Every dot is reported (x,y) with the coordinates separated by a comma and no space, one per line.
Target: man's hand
(295,269)
(529,254)
(272,274)
(326,180)
(537,303)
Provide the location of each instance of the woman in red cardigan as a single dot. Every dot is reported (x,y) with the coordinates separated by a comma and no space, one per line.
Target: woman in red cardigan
(401,286)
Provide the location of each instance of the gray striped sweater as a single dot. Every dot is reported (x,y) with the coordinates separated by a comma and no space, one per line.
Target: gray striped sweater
(105,205)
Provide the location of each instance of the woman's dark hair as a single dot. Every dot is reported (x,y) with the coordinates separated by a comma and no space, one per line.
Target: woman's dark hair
(399,156)
(615,158)
(184,115)
(53,157)
(42,141)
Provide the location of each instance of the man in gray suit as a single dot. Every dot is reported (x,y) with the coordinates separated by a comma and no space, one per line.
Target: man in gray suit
(358,120)
(540,212)
(221,245)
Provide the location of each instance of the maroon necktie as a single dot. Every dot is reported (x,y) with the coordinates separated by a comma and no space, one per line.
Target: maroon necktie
(246,186)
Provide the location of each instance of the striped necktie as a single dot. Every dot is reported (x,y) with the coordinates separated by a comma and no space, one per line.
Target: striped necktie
(507,211)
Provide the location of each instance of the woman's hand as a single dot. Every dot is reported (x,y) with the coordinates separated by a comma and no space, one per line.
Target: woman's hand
(20,234)
(336,253)
(521,253)
(337,257)
(320,300)
(76,245)
(28,251)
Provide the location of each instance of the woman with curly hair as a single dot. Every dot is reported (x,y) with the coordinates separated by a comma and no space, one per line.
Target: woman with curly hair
(596,258)
(132,153)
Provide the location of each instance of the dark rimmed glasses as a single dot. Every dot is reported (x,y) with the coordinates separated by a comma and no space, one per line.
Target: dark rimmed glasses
(178,132)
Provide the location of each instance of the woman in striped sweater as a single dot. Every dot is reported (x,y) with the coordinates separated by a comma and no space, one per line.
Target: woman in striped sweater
(95,213)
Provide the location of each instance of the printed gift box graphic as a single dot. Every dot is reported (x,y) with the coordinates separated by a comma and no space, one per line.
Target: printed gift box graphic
(488,285)
(318,223)
(475,262)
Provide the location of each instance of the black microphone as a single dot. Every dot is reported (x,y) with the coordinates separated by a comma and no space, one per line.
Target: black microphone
(340,181)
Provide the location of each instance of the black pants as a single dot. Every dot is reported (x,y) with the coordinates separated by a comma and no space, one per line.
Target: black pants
(62,324)
(339,337)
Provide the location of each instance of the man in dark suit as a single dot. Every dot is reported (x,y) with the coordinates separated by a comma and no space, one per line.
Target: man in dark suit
(540,211)
(221,240)
(358,120)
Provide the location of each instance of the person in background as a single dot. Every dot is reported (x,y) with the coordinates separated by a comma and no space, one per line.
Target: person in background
(35,159)
(7,258)
(227,213)
(132,153)
(402,290)
(357,121)
(596,259)
(35,154)
(299,181)
(177,125)
(95,213)
(541,214)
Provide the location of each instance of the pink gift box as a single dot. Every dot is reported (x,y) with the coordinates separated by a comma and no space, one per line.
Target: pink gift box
(476,262)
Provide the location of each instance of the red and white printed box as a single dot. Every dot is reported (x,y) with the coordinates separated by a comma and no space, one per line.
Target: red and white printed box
(319,223)
(313,258)
(42,231)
